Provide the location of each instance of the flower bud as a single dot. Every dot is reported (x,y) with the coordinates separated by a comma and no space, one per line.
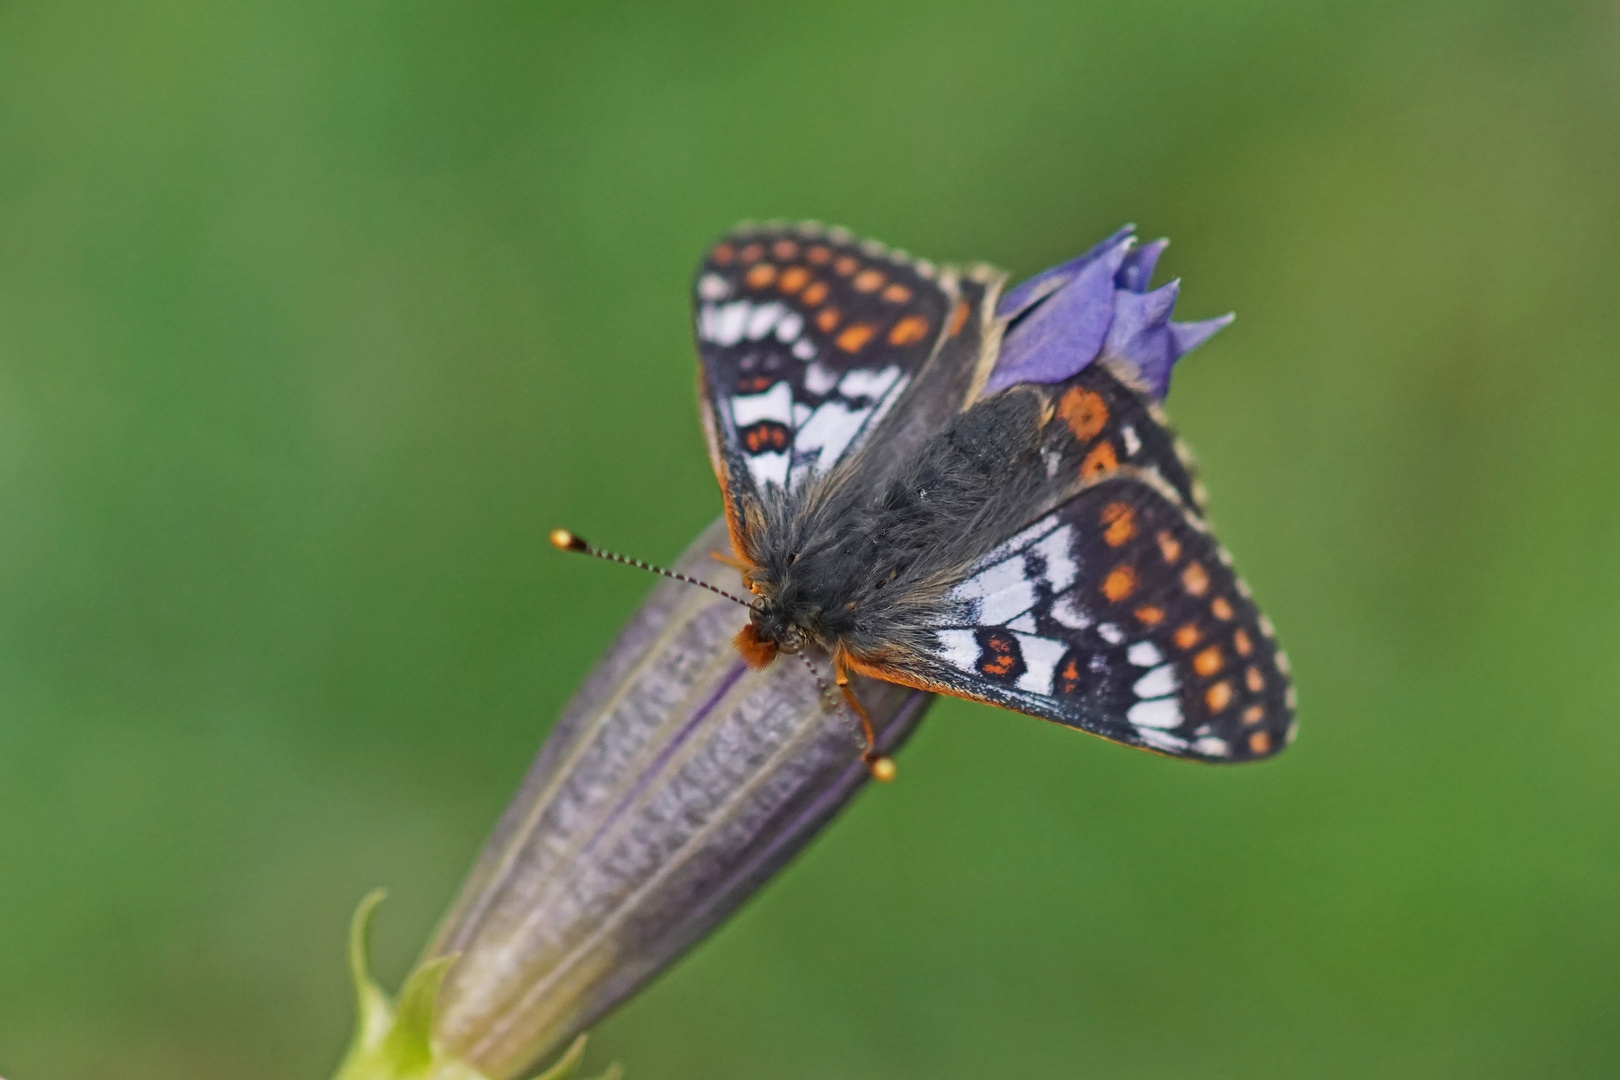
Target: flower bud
(675,784)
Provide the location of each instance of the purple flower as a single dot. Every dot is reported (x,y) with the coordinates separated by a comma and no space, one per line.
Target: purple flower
(679,780)
(1062,319)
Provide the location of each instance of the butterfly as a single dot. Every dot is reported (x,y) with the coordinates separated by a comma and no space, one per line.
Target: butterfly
(973,491)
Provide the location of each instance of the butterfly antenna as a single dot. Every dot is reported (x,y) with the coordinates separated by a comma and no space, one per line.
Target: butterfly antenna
(881,766)
(563,540)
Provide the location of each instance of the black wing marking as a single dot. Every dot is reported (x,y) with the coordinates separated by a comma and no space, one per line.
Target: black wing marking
(808,339)
(1118,613)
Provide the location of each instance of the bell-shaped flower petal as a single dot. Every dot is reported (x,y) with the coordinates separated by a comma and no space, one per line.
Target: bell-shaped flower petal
(1098,304)
(1021,297)
(1062,332)
(1137,269)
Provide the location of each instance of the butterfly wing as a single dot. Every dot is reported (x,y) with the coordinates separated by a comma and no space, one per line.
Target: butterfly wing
(809,339)
(1119,614)
(1116,611)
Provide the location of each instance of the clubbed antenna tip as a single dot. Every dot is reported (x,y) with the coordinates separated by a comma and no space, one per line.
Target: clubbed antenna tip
(563,540)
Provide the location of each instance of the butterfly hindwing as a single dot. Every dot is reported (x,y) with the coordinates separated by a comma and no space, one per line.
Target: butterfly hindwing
(1119,614)
(808,339)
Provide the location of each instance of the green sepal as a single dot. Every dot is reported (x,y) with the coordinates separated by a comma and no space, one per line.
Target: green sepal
(394,1040)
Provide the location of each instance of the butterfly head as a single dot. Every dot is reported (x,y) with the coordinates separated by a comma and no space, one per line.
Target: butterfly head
(772,630)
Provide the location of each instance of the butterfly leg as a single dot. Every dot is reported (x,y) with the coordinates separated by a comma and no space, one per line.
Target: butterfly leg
(725,558)
(879,765)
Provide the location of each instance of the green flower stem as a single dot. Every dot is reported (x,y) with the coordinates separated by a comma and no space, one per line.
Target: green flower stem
(393,1040)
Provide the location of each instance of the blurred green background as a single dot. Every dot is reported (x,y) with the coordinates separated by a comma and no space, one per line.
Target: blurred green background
(314,317)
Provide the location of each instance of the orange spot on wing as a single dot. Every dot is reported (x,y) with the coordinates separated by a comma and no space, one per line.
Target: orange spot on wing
(765,435)
(1241,642)
(1259,743)
(818,255)
(793,279)
(1169,546)
(751,253)
(1208,662)
(1186,637)
(723,254)
(867,281)
(1150,616)
(815,294)
(1120,520)
(1101,461)
(760,275)
(1003,656)
(959,315)
(909,330)
(1253,715)
(1084,411)
(845,265)
(897,293)
(1195,579)
(1218,696)
(784,249)
(827,319)
(855,336)
(1119,583)
(1255,681)
(1221,607)
(1069,677)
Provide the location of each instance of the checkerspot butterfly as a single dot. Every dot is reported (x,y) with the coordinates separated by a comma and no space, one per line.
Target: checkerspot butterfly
(974,492)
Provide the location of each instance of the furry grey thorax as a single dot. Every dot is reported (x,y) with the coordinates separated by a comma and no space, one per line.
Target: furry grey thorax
(859,568)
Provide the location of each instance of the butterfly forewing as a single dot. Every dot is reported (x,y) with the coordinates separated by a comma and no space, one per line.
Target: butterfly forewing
(1119,614)
(808,340)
